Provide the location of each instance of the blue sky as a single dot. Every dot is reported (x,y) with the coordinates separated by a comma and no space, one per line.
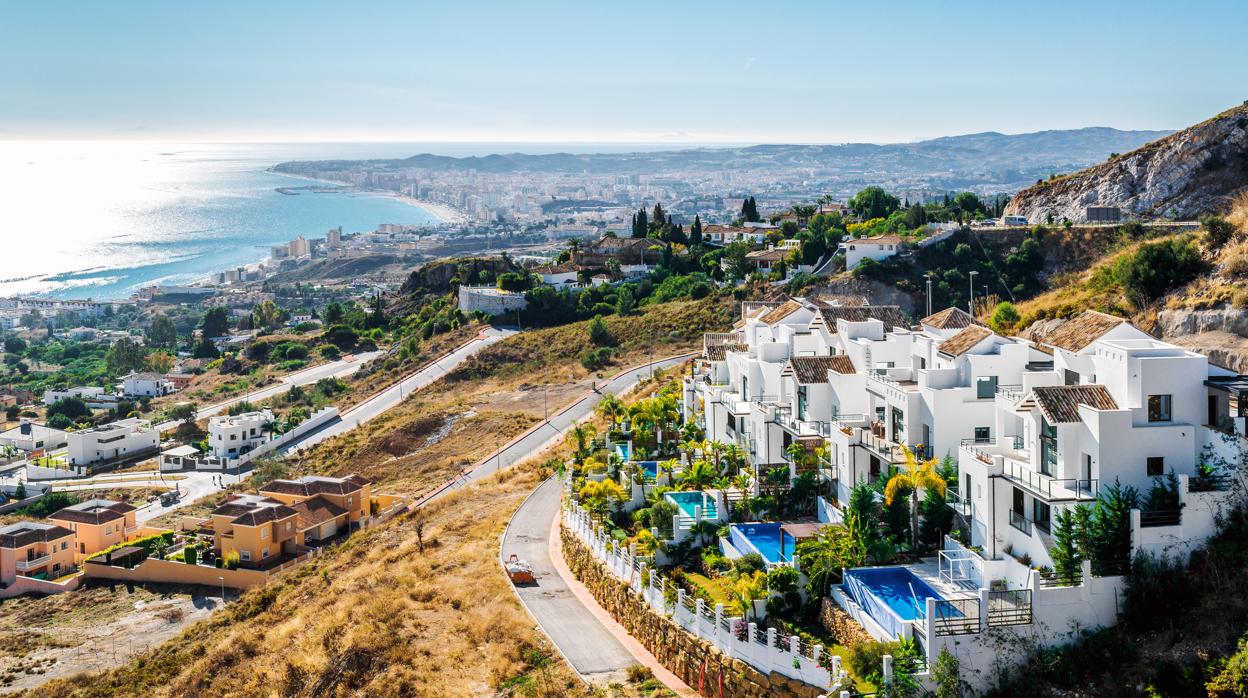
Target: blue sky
(635,71)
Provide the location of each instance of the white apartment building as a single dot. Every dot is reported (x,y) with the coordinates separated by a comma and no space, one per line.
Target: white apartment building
(95,398)
(230,436)
(877,248)
(124,439)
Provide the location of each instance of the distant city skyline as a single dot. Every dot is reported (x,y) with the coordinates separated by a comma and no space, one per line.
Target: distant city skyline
(642,72)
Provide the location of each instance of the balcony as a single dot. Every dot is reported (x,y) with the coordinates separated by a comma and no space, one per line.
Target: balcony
(1010,393)
(33,563)
(960,504)
(887,450)
(846,423)
(1048,488)
(1020,522)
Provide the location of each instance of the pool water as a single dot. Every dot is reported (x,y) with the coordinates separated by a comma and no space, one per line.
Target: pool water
(622,449)
(765,538)
(895,587)
(650,468)
(687,501)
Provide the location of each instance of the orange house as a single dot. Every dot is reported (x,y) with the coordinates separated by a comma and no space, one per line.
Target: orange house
(97,524)
(30,549)
(262,530)
(326,505)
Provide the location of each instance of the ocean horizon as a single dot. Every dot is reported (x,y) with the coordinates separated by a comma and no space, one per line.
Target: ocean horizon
(102,219)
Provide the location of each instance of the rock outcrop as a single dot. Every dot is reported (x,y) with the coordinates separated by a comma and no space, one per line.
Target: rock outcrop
(1185,175)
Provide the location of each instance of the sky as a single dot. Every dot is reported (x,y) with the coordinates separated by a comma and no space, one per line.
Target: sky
(636,71)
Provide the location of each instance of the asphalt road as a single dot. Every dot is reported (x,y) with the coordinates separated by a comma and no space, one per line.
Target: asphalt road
(582,639)
(336,369)
(392,396)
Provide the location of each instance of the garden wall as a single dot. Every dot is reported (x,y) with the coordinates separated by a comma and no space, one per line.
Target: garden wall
(678,651)
(171,572)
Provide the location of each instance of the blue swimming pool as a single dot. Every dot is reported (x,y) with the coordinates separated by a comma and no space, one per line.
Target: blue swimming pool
(622,449)
(891,595)
(766,539)
(688,501)
(650,468)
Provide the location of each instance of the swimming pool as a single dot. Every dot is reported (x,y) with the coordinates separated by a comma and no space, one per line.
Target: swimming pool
(891,595)
(622,449)
(764,539)
(687,501)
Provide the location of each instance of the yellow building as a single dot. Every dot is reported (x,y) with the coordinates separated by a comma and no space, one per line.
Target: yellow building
(262,530)
(97,524)
(29,549)
(326,505)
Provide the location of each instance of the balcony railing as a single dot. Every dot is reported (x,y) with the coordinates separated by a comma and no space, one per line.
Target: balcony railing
(886,449)
(846,423)
(33,563)
(956,616)
(955,500)
(1209,483)
(1050,488)
(1154,519)
(1020,522)
(1013,393)
(1012,607)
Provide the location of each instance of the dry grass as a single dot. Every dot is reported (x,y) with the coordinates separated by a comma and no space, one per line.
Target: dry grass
(375,617)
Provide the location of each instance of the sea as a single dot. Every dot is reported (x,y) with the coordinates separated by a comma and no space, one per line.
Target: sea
(102,219)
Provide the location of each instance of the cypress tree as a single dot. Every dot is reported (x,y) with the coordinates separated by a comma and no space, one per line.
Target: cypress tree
(695,231)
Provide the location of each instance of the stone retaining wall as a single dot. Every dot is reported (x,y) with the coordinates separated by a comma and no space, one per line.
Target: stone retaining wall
(694,661)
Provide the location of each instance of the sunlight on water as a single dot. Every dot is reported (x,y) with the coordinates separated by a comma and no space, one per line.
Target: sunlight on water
(101,219)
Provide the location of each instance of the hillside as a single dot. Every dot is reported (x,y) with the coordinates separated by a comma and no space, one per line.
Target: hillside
(1184,175)
(1002,161)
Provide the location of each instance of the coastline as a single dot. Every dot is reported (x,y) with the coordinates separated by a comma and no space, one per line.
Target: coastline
(447,214)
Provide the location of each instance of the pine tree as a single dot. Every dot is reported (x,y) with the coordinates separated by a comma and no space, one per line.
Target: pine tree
(659,219)
(749,210)
(641,226)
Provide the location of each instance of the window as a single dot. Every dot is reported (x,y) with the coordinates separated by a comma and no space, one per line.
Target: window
(1048,447)
(1040,515)
(1071,377)
(264,553)
(289,525)
(1156,466)
(985,387)
(801,402)
(264,534)
(745,388)
(244,555)
(1159,408)
(983,434)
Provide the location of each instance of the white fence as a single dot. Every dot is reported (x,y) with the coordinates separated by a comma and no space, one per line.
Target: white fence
(765,650)
(205,462)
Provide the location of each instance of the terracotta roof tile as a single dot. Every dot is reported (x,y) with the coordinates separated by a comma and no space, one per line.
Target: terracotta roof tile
(951,319)
(315,512)
(814,369)
(1080,331)
(1060,403)
(24,533)
(890,315)
(93,511)
(712,339)
(776,315)
(965,340)
(719,352)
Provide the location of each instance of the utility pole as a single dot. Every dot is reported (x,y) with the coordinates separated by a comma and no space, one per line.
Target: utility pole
(970,303)
(929,293)
(545,410)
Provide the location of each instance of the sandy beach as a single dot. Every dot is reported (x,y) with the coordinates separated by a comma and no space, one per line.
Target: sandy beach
(446,213)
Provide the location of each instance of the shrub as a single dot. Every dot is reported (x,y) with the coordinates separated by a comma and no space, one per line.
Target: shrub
(1157,268)
(329,351)
(190,555)
(599,334)
(1004,317)
(749,563)
(595,359)
(1218,231)
(231,560)
(867,658)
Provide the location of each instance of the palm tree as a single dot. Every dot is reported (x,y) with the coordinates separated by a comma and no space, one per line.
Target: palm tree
(734,455)
(698,476)
(669,467)
(746,591)
(915,475)
(610,408)
(742,483)
(578,437)
(689,446)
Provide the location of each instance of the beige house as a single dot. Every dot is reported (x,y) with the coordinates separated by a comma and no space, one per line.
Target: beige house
(326,505)
(30,549)
(97,524)
(262,530)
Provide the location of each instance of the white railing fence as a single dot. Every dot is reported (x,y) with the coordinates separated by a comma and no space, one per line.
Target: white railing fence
(737,637)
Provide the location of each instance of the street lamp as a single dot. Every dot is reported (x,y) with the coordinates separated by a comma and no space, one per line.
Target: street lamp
(929,292)
(222,580)
(970,303)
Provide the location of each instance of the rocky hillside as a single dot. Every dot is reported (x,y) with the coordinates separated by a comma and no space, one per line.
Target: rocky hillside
(1187,174)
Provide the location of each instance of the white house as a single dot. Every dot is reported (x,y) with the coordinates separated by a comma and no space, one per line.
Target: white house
(94,397)
(146,385)
(124,439)
(233,435)
(877,248)
(28,436)
(490,299)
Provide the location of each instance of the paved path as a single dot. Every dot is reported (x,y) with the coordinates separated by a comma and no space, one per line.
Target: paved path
(583,636)
(334,369)
(191,486)
(390,397)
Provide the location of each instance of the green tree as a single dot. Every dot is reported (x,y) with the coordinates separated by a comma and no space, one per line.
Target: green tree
(266,315)
(968,203)
(695,231)
(1071,527)
(1218,231)
(874,202)
(205,349)
(1157,268)
(915,474)
(514,281)
(333,313)
(599,335)
(124,356)
(161,332)
(625,302)
(749,210)
(216,323)
(14,345)
(641,226)
(1004,317)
